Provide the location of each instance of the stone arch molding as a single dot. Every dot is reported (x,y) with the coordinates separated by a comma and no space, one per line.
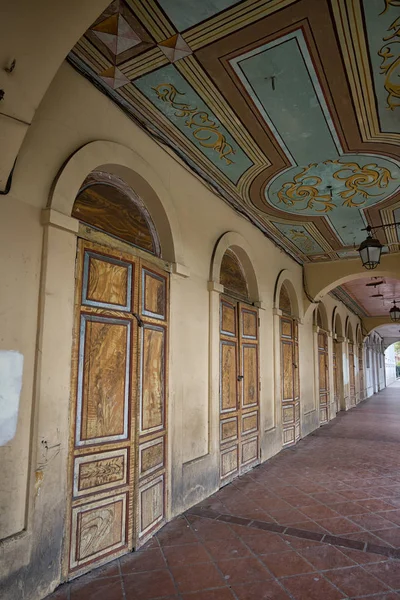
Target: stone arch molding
(286,277)
(136,172)
(324,316)
(238,244)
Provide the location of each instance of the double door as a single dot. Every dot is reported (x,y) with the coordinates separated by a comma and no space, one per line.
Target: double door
(361,371)
(117,452)
(239,388)
(323,369)
(352,379)
(336,356)
(290,383)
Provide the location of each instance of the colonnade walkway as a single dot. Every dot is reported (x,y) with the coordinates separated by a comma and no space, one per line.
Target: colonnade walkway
(319,521)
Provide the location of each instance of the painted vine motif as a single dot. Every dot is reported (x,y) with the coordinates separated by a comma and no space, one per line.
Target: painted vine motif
(390,55)
(358,180)
(204,129)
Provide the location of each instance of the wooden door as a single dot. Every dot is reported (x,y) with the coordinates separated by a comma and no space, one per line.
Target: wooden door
(361,371)
(290,380)
(239,389)
(117,409)
(351,375)
(335,377)
(323,370)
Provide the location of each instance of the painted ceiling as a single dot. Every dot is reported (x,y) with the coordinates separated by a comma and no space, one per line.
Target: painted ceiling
(288,109)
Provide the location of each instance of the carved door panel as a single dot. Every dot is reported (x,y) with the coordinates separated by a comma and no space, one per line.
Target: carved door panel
(152,400)
(239,389)
(352,376)
(323,369)
(106,500)
(335,377)
(290,380)
(361,371)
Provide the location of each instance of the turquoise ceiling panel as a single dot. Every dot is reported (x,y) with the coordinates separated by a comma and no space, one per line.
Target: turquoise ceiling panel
(186,13)
(336,189)
(280,78)
(384,52)
(300,237)
(176,99)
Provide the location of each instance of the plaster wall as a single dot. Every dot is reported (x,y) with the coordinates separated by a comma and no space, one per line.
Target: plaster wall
(36,304)
(390,365)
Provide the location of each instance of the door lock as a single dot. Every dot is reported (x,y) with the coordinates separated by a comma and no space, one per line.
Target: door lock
(240,377)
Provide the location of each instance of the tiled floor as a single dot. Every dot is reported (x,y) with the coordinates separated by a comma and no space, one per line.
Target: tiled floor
(320,521)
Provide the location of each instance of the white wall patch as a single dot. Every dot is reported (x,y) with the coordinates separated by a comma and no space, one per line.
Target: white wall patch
(11,368)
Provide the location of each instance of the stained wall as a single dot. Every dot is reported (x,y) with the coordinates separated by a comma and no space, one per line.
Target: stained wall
(36,302)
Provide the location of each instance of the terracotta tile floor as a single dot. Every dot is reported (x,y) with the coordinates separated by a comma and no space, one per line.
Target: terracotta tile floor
(320,521)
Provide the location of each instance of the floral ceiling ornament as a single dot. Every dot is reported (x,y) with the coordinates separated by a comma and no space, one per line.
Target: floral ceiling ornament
(357,180)
(390,65)
(390,3)
(205,130)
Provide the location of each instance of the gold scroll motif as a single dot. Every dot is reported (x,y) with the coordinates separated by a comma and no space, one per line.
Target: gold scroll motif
(390,65)
(390,3)
(204,129)
(305,186)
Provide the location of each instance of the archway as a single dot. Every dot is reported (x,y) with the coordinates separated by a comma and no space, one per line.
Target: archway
(239,415)
(289,362)
(352,366)
(321,324)
(118,441)
(337,356)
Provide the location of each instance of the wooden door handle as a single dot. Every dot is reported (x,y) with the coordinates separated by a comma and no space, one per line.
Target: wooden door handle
(240,377)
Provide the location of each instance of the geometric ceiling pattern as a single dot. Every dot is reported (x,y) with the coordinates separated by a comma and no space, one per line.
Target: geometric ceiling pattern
(288,109)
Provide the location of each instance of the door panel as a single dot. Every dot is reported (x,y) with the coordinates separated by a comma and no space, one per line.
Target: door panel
(119,375)
(290,383)
(152,400)
(323,369)
(352,376)
(361,371)
(239,388)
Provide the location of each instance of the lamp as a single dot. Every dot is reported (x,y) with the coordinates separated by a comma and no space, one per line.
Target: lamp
(394,313)
(370,249)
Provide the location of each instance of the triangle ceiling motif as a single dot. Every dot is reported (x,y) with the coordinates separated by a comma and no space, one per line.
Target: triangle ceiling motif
(114,77)
(116,33)
(175,48)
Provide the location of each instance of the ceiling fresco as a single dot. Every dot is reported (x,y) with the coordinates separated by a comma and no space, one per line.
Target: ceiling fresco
(288,109)
(369,296)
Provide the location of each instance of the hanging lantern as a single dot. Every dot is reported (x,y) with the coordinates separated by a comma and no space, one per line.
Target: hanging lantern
(370,251)
(394,313)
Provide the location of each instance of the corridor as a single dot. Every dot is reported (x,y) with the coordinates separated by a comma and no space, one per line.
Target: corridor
(321,520)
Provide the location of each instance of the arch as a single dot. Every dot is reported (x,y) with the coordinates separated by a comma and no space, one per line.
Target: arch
(337,326)
(238,245)
(358,335)
(129,166)
(108,204)
(286,278)
(285,304)
(321,317)
(349,331)
(232,275)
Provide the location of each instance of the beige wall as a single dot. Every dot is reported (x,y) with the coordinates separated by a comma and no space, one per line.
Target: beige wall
(72,115)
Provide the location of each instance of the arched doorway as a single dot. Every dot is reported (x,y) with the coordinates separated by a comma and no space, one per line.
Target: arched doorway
(323,363)
(290,380)
(360,349)
(239,371)
(352,377)
(337,356)
(118,441)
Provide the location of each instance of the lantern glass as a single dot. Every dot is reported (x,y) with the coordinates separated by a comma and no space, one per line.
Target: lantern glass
(394,313)
(370,252)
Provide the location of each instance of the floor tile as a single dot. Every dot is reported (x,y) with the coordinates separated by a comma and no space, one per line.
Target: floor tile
(185,555)
(355,581)
(338,525)
(218,594)
(175,533)
(267,544)
(363,558)
(388,571)
(286,564)
(319,511)
(230,548)
(326,557)
(98,589)
(135,562)
(311,587)
(148,585)
(372,522)
(260,590)
(390,536)
(242,570)
(196,578)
